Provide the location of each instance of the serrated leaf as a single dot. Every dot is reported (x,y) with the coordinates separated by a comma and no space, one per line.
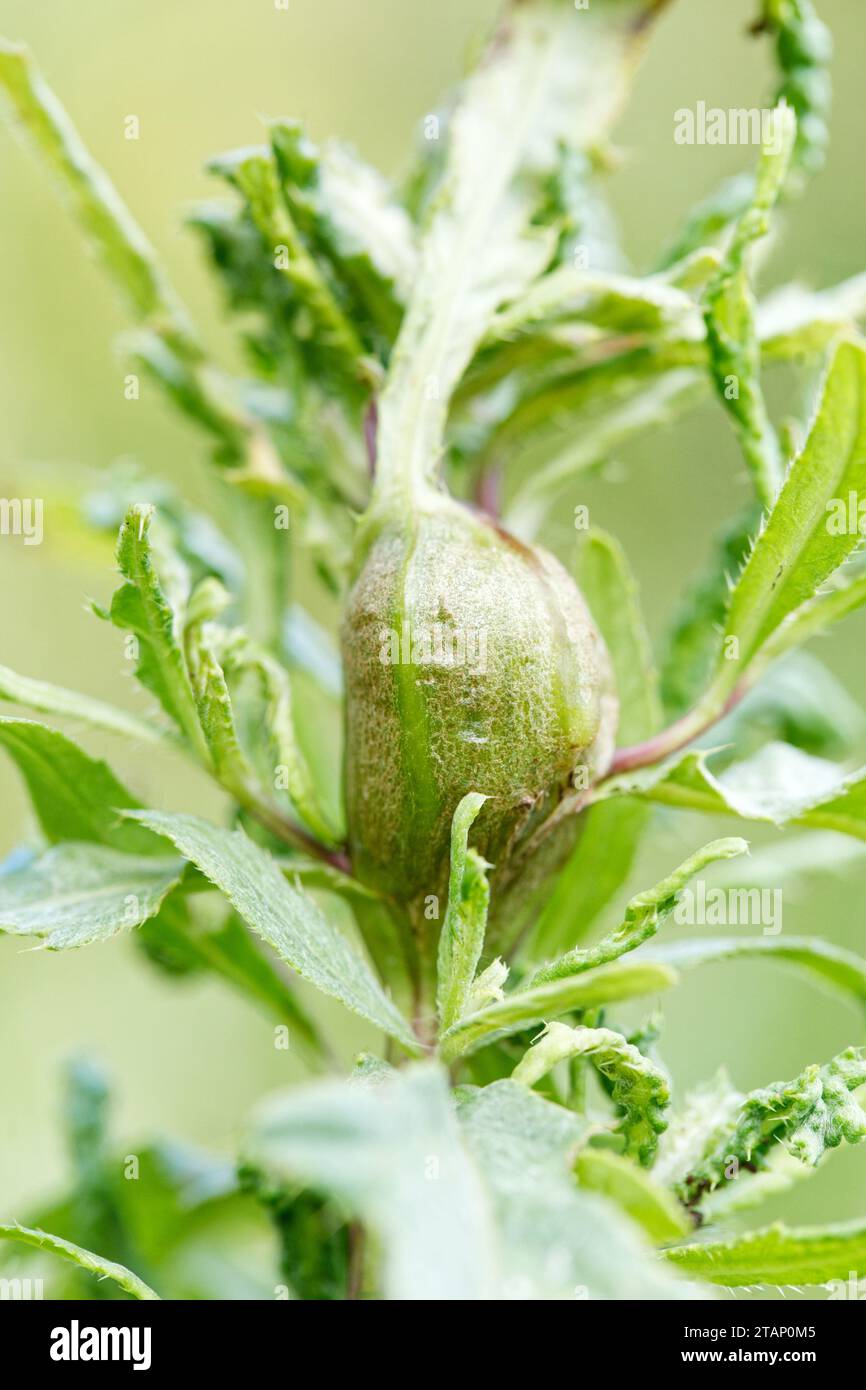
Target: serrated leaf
(844,593)
(732,338)
(85,1259)
(76,894)
(75,797)
(635,1191)
(334,340)
(479,250)
(640,1087)
(798,550)
(809,1115)
(240,655)
(142,606)
(556,1241)
(644,915)
(348,211)
(777,1255)
(517,1011)
(114,233)
(283,916)
(461,940)
(392,1154)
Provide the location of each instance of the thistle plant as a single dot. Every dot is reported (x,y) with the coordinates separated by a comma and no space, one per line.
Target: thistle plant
(432,371)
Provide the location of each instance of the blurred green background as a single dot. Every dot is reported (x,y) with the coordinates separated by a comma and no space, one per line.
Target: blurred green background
(191,1059)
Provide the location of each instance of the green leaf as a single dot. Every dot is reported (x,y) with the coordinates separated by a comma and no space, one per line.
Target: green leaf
(141,606)
(798,549)
(809,1115)
(348,211)
(635,1191)
(831,965)
(85,1259)
(640,1087)
(794,322)
(621,303)
(390,1152)
(777,1255)
(241,655)
(313,1237)
(461,940)
(114,233)
(780,785)
(76,797)
(844,593)
(732,338)
(556,1241)
(644,915)
(96,1216)
(283,916)
(53,699)
(479,250)
(514,1013)
(334,341)
(76,894)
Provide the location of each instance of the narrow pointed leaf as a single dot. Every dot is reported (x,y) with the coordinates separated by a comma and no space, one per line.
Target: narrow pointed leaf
(461,940)
(75,797)
(78,893)
(644,915)
(777,1255)
(799,548)
(85,1259)
(283,916)
(53,699)
(604,985)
